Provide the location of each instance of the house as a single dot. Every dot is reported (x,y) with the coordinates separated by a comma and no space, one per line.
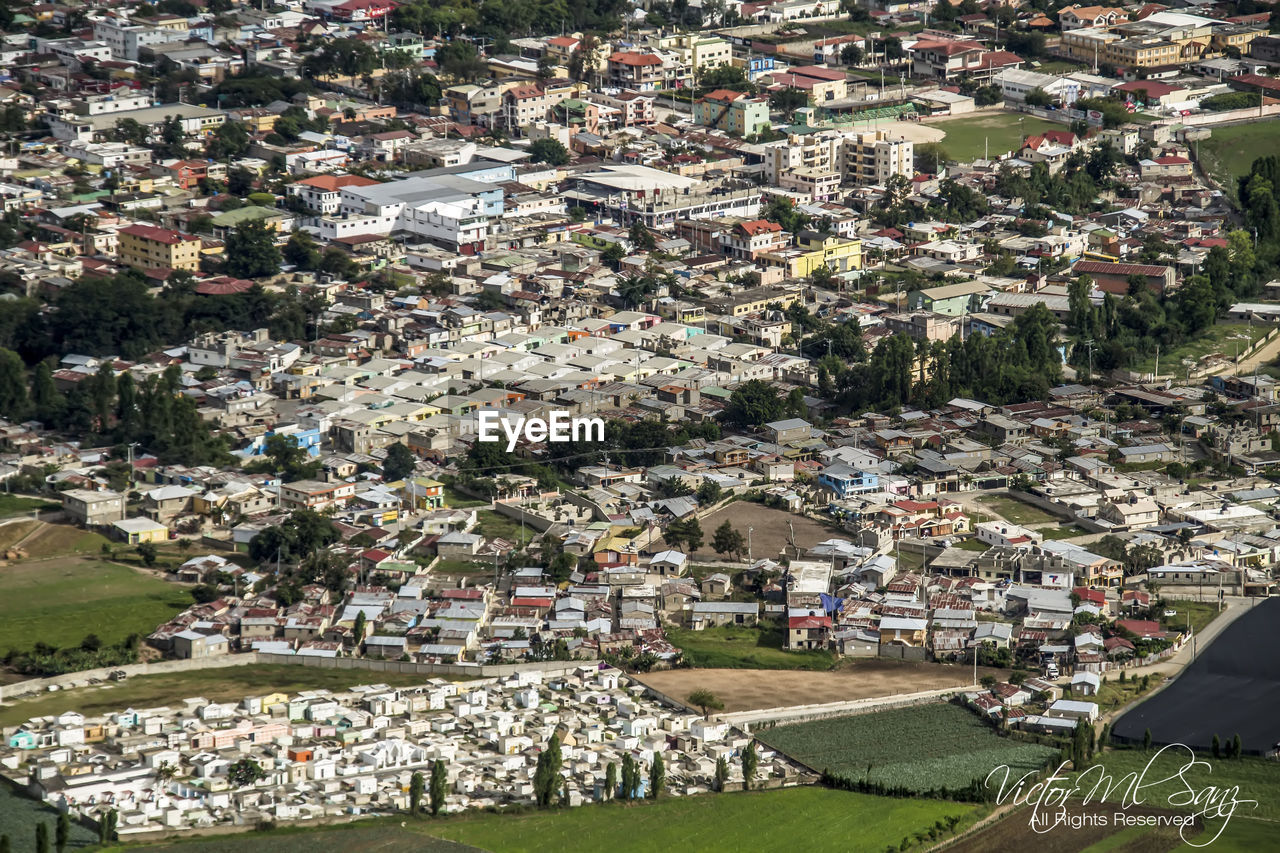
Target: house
(808,632)
(844,480)
(195,645)
(93,508)
(147,247)
(1086,683)
(711,614)
(1129,514)
(135,531)
(790,430)
(668,563)
(716,586)
(1068,709)
(903,631)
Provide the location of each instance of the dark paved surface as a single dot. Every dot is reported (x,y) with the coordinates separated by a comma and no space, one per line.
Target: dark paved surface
(1233,687)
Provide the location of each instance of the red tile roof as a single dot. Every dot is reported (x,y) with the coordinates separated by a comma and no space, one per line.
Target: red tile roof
(157,235)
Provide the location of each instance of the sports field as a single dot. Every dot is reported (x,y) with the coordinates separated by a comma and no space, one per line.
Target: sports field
(806,818)
(993,133)
(1231,150)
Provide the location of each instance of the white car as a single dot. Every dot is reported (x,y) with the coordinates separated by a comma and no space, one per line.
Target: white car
(1169,613)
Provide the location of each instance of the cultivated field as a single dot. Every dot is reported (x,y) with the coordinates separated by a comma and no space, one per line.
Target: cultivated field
(923,748)
(825,820)
(769,532)
(753,689)
(995,133)
(1014,833)
(59,601)
(217,685)
(19,816)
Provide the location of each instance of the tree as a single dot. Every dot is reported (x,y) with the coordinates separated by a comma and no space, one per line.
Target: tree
(657,776)
(439,787)
(14,402)
(358,631)
(42,837)
(610,780)
(1237,748)
(399,463)
(1216,746)
(630,777)
(727,540)
(62,832)
(753,404)
(750,761)
(705,699)
(5,846)
(147,551)
(251,250)
(988,681)
(549,151)
(107,826)
(1146,740)
(722,772)
(685,531)
(240,181)
(244,772)
(852,54)
(546,777)
(641,237)
(788,100)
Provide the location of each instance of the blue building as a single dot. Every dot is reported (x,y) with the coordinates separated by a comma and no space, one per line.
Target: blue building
(844,480)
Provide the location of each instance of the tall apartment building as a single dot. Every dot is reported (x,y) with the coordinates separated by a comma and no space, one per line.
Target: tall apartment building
(872,158)
(148,247)
(732,112)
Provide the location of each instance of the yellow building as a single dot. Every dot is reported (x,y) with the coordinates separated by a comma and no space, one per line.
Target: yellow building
(148,247)
(136,531)
(813,250)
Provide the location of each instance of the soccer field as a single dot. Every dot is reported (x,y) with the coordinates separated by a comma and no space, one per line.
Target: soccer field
(995,134)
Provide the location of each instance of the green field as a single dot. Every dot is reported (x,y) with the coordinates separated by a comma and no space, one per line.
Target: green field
(1222,338)
(18,505)
(216,685)
(60,601)
(489,525)
(923,748)
(1011,509)
(972,544)
(456,499)
(1230,151)
(825,820)
(19,816)
(732,647)
(999,133)
(1201,613)
(1258,779)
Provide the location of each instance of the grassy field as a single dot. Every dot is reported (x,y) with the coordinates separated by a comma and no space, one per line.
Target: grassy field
(923,748)
(15,531)
(1256,778)
(1221,339)
(1230,151)
(54,540)
(1201,613)
(216,685)
(732,647)
(18,505)
(1011,509)
(1116,694)
(19,816)
(972,544)
(463,567)
(1071,531)
(489,525)
(824,819)
(456,499)
(59,601)
(997,133)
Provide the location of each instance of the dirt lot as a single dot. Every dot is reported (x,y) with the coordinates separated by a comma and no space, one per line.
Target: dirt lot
(1015,833)
(752,689)
(769,529)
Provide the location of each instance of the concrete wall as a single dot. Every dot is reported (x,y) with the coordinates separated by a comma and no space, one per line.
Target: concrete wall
(903,652)
(745,720)
(533,520)
(373,667)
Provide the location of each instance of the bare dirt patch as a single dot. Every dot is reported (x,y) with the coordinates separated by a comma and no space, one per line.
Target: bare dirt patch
(1015,833)
(769,532)
(753,689)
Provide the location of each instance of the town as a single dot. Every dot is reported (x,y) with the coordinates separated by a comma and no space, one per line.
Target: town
(626,402)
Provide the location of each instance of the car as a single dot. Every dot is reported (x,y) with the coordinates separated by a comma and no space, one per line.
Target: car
(1169,613)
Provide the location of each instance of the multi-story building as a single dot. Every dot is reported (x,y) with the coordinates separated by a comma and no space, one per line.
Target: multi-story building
(323,193)
(126,39)
(315,495)
(873,157)
(950,60)
(149,247)
(732,112)
(1078,17)
(631,69)
(819,151)
(748,240)
(93,508)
